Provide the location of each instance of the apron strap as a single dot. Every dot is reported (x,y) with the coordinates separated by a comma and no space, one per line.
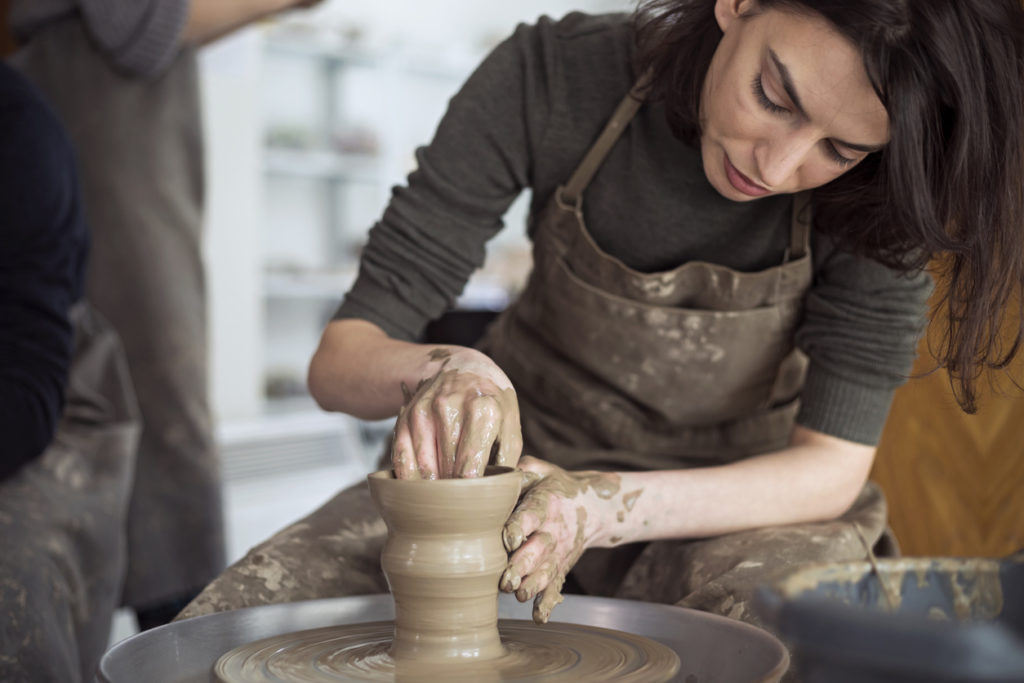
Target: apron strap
(800,226)
(624,113)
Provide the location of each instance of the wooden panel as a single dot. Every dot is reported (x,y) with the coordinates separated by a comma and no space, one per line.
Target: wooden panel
(955,482)
(6,41)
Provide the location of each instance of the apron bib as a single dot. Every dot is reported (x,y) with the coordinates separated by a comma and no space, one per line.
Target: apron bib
(620,369)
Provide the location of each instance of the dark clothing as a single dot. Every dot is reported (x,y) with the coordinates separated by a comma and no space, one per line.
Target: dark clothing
(525,119)
(43,244)
(67,465)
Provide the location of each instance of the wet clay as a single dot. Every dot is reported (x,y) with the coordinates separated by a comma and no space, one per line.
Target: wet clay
(973,584)
(555,652)
(440,354)
(540,504)
(442,559)
(474,422)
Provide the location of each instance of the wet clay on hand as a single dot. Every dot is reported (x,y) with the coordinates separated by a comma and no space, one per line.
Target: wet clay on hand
(456,419)
(560,516)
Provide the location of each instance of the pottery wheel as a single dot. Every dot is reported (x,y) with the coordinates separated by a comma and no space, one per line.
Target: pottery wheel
(359,652)
(710,647)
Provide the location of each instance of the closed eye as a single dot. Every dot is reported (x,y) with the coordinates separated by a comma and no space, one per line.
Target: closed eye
(835,156)
(763,98)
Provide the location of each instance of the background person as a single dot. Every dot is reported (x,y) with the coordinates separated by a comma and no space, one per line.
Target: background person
(67,412)
(121,75)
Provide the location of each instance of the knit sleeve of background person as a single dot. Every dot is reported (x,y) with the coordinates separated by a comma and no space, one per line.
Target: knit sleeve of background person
(42,256)
(139,38)
(142,37)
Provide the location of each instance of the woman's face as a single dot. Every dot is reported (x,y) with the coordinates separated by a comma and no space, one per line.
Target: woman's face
(786,105)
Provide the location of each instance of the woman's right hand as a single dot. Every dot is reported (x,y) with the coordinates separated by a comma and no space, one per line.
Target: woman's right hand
(450,424)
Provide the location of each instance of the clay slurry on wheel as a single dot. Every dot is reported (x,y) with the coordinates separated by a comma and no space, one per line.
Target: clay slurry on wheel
(359,652)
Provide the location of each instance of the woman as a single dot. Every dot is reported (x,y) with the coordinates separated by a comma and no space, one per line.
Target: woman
(704,355)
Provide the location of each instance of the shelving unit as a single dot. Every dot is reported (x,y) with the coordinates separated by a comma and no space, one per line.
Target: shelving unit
(340,124)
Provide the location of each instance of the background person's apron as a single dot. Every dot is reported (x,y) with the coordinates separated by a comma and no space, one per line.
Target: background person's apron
(62,553)
(139,146)
(615,369)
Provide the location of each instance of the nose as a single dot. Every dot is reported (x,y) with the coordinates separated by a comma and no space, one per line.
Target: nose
(780,157)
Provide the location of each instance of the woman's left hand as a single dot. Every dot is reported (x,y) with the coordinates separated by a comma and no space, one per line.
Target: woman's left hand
(559,516)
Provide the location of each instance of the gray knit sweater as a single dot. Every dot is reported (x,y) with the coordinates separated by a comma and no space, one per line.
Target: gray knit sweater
(525,119)
(141,37)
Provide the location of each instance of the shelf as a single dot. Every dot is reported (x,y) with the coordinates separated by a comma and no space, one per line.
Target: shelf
(322,164)
(336,51)
(315,45)
(479,294)
(307,284)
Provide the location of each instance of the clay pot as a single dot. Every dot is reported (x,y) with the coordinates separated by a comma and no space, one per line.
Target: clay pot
(443,559)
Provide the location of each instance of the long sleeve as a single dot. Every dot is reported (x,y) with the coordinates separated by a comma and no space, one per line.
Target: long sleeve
(42,256)
(860,330)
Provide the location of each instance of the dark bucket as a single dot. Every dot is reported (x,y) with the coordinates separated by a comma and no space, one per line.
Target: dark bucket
(901,620)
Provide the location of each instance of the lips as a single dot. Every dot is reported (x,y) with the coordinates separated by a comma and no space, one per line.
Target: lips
(741,182)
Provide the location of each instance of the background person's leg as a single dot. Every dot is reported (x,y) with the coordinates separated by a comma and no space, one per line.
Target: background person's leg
(62,554)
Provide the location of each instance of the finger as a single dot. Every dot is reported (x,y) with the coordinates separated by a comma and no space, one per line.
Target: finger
(547,599)
(536,581)
(528,516)
(529,480)
(510,441)
(448,423)
(483,417)
(529,559)
(424,440)
(403,460)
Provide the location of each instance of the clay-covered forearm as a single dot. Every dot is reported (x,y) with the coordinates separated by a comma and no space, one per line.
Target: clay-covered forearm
(209,20)
(816,478)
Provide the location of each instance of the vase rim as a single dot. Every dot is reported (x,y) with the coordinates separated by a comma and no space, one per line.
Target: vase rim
(492,473)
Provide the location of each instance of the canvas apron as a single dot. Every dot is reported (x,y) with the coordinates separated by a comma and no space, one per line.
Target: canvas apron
(62,534)
(139,147)
(616,369)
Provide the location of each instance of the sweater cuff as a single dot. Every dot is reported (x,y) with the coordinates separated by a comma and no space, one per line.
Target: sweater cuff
(140,45)
(398,319)
(842,408)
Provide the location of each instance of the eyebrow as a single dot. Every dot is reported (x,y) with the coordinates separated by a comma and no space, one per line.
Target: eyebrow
(787,85)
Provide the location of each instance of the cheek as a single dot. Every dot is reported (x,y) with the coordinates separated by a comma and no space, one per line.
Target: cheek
(818,173)
(736,117)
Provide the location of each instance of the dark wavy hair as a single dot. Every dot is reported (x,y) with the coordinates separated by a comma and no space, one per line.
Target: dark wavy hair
(948,189)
